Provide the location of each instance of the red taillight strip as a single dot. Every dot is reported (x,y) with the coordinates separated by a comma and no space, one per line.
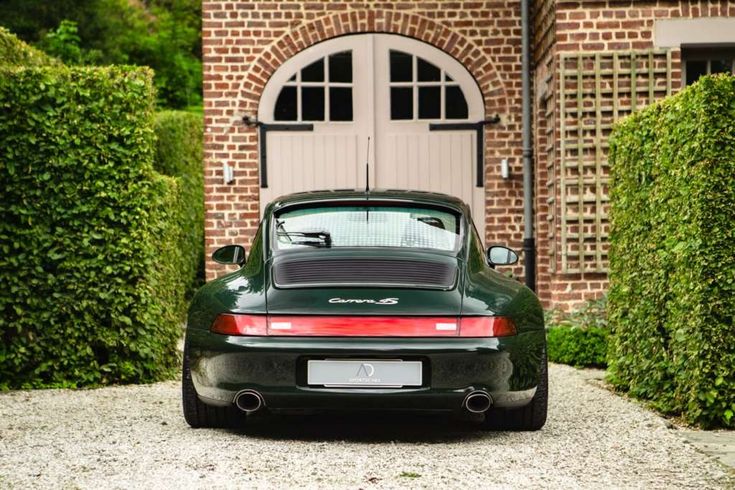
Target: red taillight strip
(487,326)
(362,326)
(228,324)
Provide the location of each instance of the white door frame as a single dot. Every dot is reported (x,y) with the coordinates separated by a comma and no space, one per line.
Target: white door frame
(371,98)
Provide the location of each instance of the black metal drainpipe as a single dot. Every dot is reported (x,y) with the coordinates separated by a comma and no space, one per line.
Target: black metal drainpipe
(529,242)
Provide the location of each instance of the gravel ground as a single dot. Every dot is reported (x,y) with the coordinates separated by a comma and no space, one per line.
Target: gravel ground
(135,437)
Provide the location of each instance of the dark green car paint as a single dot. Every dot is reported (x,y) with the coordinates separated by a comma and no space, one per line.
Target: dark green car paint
(507,367)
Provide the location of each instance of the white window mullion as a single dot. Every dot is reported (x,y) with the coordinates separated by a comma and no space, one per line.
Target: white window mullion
(298,96)
(442,98)
(369,94)
(414,88)
(326,89)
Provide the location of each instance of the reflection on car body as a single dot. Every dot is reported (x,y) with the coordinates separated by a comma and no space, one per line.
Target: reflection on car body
(366,300)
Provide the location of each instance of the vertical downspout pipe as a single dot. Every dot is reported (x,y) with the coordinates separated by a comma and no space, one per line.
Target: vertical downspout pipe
(529,242)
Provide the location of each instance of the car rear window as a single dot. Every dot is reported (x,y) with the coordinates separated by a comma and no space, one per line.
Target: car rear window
(367,226)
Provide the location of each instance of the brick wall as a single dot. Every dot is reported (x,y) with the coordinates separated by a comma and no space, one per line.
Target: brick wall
(593,26)
(245,41)
(544,96)
(620,25)
(543,28)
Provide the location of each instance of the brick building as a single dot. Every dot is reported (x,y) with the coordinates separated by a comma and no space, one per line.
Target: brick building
(414,87)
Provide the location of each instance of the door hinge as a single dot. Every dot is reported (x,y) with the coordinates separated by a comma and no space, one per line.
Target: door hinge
(479,128)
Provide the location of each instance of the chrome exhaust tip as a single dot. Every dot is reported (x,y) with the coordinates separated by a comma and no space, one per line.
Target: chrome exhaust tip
(477,402)
(249,401)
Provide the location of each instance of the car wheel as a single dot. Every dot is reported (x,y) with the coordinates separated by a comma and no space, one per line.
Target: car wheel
(199,414)
(529,418)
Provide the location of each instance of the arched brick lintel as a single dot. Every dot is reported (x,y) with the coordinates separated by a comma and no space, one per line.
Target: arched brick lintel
(411,25)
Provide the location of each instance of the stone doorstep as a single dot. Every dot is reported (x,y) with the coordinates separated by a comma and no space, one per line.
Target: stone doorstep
(719,444)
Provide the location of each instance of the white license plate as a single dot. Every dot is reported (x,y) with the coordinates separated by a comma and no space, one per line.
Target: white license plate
(364,373)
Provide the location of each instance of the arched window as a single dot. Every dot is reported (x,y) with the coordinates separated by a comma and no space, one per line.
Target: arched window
(421,90)
(321,91)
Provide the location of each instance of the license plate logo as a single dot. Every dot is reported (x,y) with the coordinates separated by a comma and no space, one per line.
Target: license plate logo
(357,373)
(365,372)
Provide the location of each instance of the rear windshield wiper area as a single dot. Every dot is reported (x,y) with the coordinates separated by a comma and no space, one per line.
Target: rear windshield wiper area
(321,239)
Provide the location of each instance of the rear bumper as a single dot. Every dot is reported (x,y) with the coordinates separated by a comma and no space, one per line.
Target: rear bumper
(506,368)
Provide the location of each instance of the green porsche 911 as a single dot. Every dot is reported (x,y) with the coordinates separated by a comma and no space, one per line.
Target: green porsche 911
(381,300)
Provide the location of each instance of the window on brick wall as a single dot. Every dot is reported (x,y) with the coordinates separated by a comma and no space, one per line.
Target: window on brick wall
(699,62)
(321,91)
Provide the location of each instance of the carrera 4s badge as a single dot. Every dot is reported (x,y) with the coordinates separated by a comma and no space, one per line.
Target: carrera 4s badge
(355,301)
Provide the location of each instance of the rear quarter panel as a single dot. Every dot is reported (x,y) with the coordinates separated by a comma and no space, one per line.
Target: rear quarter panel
(241,291)
(489,291)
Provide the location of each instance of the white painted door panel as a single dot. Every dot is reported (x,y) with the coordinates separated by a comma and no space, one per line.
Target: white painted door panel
(408,154)
(302,161)
(332,156)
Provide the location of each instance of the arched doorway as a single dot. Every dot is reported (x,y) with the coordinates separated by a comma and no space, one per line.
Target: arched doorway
(411,100)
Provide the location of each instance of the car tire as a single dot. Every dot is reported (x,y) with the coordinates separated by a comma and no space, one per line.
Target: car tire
(528,418)
(200,415)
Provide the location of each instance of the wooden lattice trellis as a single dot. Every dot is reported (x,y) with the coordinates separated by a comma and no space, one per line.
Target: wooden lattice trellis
(596,89)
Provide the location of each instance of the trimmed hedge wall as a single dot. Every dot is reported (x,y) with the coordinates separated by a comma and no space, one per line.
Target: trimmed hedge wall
(90,293)
(179,142)
(14,52)
(672,257)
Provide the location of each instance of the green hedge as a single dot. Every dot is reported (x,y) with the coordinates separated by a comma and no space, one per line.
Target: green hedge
(87,228)
(179,140)
(576,346)
(579,338)
(672,257)
(14,52)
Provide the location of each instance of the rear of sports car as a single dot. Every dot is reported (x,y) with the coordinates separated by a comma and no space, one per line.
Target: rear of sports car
(317,319)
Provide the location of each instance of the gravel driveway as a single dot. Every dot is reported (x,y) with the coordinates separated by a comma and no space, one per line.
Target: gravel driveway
(135,436)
